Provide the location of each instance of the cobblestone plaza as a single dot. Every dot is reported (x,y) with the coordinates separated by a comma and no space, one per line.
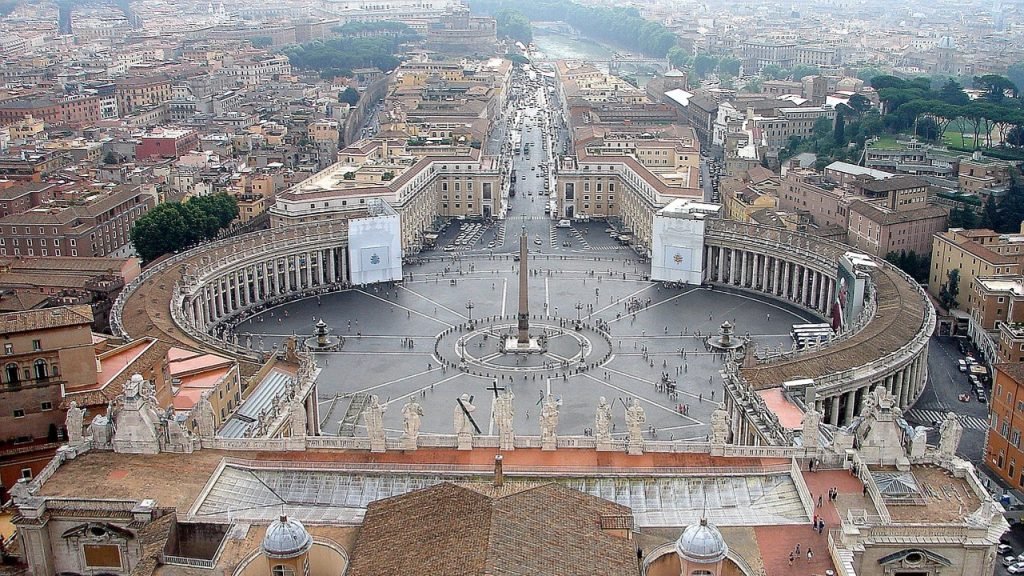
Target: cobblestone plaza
(394,336)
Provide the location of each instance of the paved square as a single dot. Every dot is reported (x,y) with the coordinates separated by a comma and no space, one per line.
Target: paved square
(414,341)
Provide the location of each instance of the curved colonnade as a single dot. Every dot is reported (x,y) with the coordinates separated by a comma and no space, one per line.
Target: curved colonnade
(190,297)
(886,346)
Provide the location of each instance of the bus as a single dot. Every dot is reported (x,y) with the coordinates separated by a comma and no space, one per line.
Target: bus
(805,335)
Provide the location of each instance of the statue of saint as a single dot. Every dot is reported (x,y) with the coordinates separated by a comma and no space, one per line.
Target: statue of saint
(603,421)
(720,426)
(463,408)
(298,409)
(635,419)
(949,435)
(412,414)
(504,410)
(810,428)
(548,419)
(373,415)
(73,422)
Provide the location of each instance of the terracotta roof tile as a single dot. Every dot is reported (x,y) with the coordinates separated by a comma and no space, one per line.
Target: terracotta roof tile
(450,529)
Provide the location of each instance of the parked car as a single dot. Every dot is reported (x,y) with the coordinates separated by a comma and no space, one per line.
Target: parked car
(1005,549)
(1017,568)
(981,396)
(962,365)
(1008,560)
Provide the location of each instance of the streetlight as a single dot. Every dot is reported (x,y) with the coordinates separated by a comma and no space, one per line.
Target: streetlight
(469,306)
(578,307)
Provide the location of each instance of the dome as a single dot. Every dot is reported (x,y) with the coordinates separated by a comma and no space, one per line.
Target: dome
(947,43)
(286,539)
(701,543)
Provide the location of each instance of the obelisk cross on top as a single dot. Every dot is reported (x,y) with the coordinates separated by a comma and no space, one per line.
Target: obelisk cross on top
(524,298)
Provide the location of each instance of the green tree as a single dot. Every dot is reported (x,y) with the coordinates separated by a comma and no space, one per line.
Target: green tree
(963,217)
(730,66)
(349,96)
(859,103)
(950,290)
(839,132)
(773,72)
(928,129)
(996,86)
(172,226)
(990,214)
(1015,136)
(515,25)
(801,71)
(952,92)
(678,58)
(1015,73)
(753,85)
(703,64)
(866,74)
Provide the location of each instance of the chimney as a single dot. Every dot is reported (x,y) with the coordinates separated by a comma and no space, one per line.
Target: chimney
(499,476)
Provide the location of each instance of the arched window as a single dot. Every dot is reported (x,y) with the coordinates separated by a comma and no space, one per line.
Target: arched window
(40,368)
(700,573)
(11,371)
(282,570)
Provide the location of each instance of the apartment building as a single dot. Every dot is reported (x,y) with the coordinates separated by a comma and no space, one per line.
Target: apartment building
(141,92)
(1003,456)
(86,222)
(43,351)
(879,229)
(462,183)
(991,302)
(974,253)
(825,201)
(167,143)
(981,175)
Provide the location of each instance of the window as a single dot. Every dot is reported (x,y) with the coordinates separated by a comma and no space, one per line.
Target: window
(37,345)
(39,367)
(8,349)
(26,473)
(46,406)
(282,570)
(19,413)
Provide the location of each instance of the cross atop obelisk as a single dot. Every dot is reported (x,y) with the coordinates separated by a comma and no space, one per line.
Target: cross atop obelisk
(524,298)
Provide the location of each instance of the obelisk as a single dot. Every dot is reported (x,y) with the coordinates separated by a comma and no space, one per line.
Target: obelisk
(524,298)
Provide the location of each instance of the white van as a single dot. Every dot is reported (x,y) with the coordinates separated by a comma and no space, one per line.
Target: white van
(563,223)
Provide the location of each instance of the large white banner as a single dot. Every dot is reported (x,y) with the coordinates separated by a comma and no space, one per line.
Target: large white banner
(375,249)
(678,250)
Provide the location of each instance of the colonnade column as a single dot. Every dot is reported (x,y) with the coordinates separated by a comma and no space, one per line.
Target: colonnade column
(851,403)
(785,280)
(834,410)
(743,269)
(734,263)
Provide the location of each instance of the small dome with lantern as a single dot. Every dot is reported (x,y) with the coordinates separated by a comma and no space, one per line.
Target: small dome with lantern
(701,544)
(286,538)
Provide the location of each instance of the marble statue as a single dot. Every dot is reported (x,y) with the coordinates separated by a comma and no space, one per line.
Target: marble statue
(949,435)
(720,426)
(549,423)
(635,419)
(463,422)
(205,417)
(810,428)
(131,387)
(412,415)
(504,411)
(298,409)
(603,424)
(74,423)
(373,416)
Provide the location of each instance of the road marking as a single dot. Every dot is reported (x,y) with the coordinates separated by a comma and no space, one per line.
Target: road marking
(928,416)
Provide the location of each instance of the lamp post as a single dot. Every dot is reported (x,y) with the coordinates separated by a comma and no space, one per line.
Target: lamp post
(578,307)
(470,306)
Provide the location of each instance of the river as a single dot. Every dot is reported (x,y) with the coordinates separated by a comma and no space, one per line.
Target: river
(554,46)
